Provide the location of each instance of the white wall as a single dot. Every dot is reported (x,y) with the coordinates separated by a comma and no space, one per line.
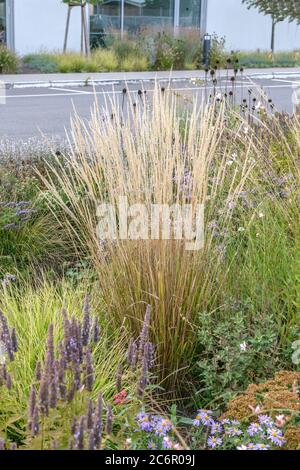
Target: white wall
(40,24)
(247,29)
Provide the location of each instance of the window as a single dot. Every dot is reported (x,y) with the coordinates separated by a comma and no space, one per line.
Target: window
(190,13)
(2,21)
(143,14)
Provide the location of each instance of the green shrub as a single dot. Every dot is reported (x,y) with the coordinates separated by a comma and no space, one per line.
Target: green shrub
(170,53)
(235,349)
(43,62)
(8,60)
(75,63)
(105,60)
(131,64)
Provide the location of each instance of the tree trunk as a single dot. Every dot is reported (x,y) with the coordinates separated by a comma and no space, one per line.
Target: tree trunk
(273,36)
(67,29)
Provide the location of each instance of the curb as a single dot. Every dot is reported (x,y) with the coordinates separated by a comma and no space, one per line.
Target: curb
(118,81)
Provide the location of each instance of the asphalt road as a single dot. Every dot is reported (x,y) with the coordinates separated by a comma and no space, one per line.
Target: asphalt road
(32,112)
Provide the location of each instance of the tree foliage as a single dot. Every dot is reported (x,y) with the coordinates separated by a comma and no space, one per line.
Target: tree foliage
(280,10)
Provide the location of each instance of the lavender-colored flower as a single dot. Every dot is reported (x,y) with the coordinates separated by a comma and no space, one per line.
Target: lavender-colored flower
(96,330)
(235,422)
(38,371)
(61,379)
(275,436)
(13,446)
(129,352)
(91,441)
(71,392)
(144,422)
(71,444)
(265,420)
(214,442)
(254,429)
(86,322)
(234,431)
(109,420)
(89,371)
(5,336)
(79,435)
(251,446)
(98,425)
(35,424)
(262,447)
(14,340)
(44,396)
(216,428)
(119,378)
(225,421)
(89,415)
(32,402)
(162,427)
(204,417)
(53,394)
(2,444)
(152,445)
(167,443)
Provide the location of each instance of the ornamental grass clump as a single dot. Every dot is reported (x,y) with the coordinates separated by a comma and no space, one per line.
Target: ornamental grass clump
(149,154)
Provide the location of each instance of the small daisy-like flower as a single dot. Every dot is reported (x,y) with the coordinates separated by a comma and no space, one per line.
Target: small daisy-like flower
(204,417)
(167,443)
(214,442)
(152,445)
(251,446)
(216,428)
(243,346)
(235,422)
(254,428)
(162,427)
(265,420)
(144,422)
(261,215)
(225,421)
(275,436)
(262,447)
(242,447)
(234,431)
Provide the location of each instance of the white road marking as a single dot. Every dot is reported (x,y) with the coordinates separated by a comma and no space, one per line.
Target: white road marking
(72,91)
(286,81)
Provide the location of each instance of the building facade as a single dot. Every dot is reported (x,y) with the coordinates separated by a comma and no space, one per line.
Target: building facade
(28,26)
